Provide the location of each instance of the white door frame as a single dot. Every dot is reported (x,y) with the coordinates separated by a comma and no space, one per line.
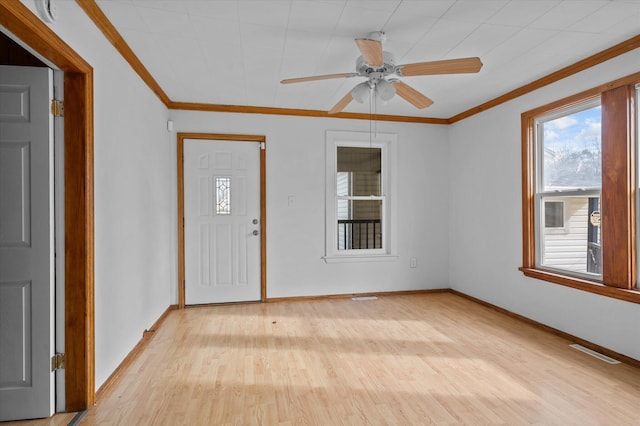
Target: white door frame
(263,203)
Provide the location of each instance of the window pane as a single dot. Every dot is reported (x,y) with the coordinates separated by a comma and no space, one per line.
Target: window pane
(223,195)
(575,246)
(359,171)
(572,151)
(359,224)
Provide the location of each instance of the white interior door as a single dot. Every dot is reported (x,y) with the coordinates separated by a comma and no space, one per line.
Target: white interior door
(221,221)
(26,243)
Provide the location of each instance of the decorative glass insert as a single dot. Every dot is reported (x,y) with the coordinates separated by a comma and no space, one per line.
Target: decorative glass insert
(223,195)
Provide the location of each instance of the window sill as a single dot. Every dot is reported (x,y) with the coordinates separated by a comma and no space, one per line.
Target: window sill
(361,258)
(632,296)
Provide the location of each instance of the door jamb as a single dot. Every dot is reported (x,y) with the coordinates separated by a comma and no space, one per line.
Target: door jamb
(58,205)
(78,157)
(263,205)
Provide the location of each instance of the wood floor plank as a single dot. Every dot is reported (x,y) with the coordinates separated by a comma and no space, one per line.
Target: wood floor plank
(60,419)
(410,359)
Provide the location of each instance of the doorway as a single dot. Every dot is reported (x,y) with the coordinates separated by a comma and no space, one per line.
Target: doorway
(20,24)
(225,240)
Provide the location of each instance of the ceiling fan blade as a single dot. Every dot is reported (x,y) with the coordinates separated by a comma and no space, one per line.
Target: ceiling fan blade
(371,51)
(447,66)
(318,77)
(411,95)
(342,104)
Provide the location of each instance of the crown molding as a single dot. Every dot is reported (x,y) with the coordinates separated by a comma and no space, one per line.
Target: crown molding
(238,109)
(94,12)
(586,63)
(101,21)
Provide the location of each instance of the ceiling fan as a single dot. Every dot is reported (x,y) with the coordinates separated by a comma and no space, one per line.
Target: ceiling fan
(378,67)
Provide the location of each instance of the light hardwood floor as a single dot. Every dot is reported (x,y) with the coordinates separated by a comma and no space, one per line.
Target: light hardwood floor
(406,360)
(61,419)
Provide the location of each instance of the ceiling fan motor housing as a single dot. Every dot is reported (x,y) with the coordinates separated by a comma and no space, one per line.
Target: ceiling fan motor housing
(365,70)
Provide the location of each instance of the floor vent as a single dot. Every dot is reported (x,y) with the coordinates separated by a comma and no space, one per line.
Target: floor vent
(364,298)
(595,354)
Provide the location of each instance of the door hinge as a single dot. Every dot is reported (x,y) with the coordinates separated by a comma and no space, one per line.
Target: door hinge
(57,108)
(57,362)
(263,145)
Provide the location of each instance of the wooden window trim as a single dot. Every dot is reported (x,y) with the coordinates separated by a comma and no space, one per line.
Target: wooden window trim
(618,141)
(618,188)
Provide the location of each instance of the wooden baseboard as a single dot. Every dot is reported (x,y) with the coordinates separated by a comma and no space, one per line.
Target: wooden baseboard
(209,305)
(131,356)
(574,339)
(160,320)
(350,295)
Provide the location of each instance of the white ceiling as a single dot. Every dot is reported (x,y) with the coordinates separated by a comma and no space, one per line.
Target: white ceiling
(235,52)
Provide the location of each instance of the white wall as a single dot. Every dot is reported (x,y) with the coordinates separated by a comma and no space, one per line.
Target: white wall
(295,162)
(486,224)
(134,194)
(459,215)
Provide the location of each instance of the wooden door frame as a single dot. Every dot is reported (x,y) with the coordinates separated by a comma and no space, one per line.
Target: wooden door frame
(78,170)
(263,205)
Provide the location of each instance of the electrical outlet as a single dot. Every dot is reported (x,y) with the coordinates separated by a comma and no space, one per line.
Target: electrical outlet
(413,262)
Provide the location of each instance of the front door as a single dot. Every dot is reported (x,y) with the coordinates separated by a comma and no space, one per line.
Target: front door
(221,221)
(26,243)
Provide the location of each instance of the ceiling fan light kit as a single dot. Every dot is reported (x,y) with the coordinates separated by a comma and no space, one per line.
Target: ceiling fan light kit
(385,90)
(379,69)
(361,91)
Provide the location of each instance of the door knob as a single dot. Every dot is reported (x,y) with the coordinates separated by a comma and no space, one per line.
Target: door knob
(255,232)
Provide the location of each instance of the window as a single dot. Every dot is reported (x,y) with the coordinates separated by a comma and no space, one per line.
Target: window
(578,191)
(359,203)
(554,214)
(568,169)
(359,199)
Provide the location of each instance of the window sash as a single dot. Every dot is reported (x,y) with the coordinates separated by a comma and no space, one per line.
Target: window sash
(539,141)
(547,233)
(383,226)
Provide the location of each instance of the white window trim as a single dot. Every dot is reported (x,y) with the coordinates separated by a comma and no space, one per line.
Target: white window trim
(388,143)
